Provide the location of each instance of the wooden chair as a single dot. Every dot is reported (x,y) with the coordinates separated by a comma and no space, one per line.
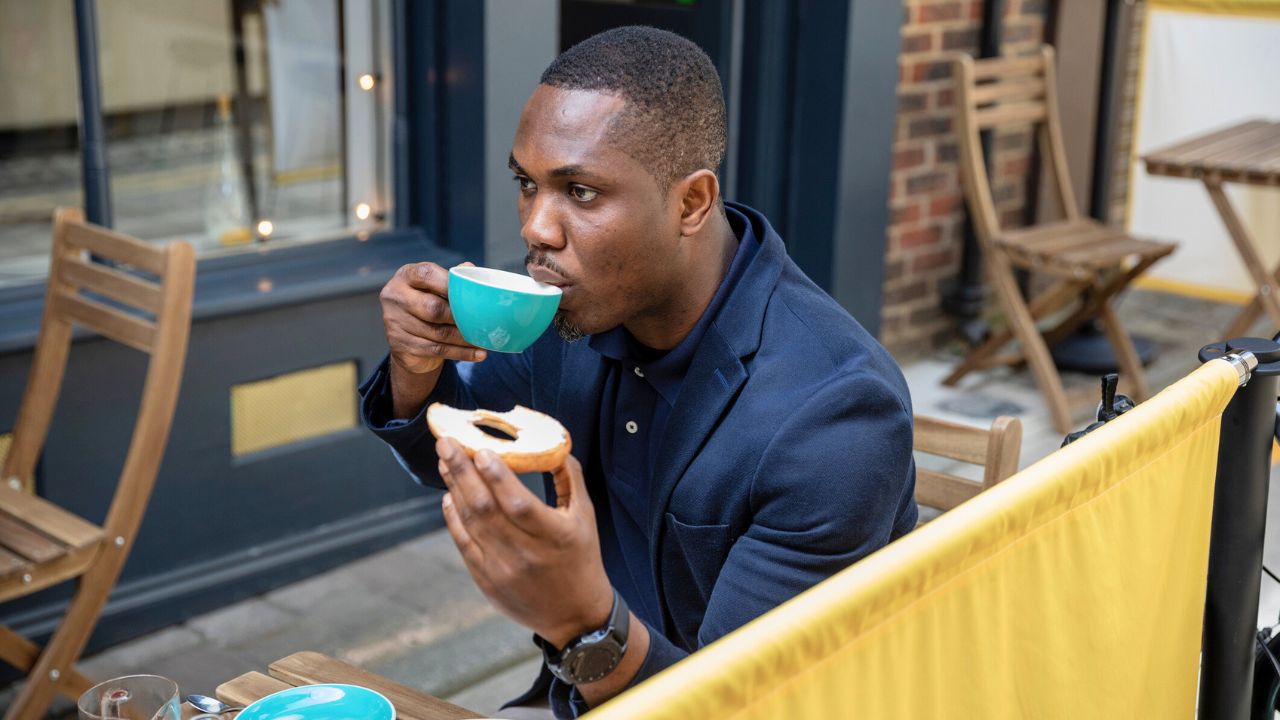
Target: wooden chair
(1089,262)
(995,450)
(40,543)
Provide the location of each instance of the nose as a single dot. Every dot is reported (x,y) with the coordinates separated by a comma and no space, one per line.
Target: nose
(542,227)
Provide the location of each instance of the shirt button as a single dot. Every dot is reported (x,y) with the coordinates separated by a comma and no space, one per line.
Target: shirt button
(632,427)
(638,371)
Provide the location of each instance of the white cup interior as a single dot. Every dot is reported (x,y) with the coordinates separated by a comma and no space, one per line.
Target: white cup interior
(505,280)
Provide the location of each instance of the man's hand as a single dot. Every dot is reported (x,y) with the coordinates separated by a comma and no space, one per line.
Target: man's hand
(539,565)
(421,332)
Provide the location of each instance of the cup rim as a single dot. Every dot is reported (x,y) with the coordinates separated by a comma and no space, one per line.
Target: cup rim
(503,280)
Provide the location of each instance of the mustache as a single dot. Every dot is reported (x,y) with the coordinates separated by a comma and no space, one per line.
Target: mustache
(541,259)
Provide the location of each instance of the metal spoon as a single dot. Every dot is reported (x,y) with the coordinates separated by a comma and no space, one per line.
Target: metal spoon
(213,706)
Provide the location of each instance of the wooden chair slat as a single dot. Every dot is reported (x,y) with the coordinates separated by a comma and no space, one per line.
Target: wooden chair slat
(310,667)
(995,450)
(1006,67)
(105,320)
(70,565)
(1021,113)
(115,246)
(22,540)
(1063,228)
(250,687)
(952,440)
(63,526)
(939,490)
(1105,255)
(1031,88)
(108,281)
(1050,245)
(11,565)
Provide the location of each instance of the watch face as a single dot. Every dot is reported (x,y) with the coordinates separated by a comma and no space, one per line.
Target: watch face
(588,663)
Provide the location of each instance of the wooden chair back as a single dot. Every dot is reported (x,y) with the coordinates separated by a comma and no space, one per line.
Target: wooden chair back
(141,297)
(995,450)
(150,314)
(999,92)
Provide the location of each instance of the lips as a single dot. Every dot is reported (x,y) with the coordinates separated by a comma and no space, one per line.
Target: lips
(549,277)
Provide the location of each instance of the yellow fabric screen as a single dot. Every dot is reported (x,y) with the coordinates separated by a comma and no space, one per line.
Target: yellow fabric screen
(1073,590)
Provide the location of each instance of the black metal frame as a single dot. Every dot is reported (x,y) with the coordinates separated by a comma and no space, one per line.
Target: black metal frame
(1238,534)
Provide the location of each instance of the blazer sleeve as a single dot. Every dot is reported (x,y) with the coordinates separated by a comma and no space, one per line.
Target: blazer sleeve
(500,382)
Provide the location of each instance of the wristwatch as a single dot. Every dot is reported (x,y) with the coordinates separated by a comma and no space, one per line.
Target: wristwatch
(590,657)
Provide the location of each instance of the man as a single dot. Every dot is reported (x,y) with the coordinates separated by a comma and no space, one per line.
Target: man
(737,436)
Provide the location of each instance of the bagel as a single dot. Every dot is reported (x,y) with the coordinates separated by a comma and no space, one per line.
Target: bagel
(541,443)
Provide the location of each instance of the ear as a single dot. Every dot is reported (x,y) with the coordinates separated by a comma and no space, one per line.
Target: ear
(699,194)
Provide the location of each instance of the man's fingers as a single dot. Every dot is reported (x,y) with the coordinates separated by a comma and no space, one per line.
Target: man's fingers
(427,276)
(404,340)
(471,553)
(571,487)
(524,509)
(475,504)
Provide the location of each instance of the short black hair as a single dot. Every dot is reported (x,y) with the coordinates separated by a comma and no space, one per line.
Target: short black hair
(674,120)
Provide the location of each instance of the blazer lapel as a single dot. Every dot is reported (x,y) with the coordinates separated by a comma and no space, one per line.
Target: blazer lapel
(714,378)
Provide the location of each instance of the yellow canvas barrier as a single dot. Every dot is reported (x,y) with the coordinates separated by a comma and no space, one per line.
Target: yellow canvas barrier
(1073,590)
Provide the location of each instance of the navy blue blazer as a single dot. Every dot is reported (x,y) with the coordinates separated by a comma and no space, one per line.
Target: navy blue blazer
(786,457)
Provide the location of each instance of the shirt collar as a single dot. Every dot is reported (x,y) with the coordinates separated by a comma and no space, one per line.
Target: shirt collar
(666,370)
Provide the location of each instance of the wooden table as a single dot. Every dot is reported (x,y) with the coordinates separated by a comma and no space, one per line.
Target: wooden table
(307,668)
(1247,153)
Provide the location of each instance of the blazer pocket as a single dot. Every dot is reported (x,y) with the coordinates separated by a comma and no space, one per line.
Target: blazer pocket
(692,557)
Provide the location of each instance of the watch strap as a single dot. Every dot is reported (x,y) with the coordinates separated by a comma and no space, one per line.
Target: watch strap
(613,635)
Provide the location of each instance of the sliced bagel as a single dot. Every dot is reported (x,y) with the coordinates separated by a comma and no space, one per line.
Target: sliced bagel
(540,443)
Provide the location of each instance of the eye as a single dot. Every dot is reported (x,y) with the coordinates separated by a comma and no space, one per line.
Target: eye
(583,194)
(526,185)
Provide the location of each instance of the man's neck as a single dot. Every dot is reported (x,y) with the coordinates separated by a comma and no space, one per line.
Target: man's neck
(706,267)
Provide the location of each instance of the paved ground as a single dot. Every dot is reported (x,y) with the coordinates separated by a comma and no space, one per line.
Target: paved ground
(411,613)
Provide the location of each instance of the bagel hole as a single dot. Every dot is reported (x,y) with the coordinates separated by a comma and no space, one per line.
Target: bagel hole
(495,431)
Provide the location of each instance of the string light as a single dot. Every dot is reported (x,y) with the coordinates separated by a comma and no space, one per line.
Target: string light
(363,211)
(265,228)
(367,81)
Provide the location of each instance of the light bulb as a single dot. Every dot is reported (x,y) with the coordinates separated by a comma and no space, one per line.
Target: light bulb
(363,211)
(265,228)
(367,81)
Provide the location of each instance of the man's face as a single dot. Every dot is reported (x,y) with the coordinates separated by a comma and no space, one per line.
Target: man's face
(594,220)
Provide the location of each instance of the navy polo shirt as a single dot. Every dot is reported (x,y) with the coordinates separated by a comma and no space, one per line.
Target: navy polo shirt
(640,387)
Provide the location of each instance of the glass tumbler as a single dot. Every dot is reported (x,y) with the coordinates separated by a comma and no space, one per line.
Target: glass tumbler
(133,697)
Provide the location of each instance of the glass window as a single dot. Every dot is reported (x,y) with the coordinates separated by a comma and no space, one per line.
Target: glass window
(39,146)
(236,122)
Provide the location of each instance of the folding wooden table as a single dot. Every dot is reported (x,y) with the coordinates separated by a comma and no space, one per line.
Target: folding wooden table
(1247,153)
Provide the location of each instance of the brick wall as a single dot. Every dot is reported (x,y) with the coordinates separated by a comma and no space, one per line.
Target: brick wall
(926,212)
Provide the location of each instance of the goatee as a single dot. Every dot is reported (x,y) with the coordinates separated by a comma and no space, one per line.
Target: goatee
(567,330)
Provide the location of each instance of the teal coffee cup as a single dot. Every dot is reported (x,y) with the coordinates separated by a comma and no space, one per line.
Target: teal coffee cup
(499,310)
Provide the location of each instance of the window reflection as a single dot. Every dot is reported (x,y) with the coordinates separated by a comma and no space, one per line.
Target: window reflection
(229,123)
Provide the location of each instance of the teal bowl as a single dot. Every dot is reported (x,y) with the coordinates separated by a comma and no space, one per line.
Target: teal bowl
(321,702)
(498,310)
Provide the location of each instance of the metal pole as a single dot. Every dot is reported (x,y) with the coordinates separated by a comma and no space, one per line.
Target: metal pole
(93,137)
(1236,540)
(1104,146)
(965,300)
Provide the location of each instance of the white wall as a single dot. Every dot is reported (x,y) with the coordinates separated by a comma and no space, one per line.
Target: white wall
(521,38)
(1203,72)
